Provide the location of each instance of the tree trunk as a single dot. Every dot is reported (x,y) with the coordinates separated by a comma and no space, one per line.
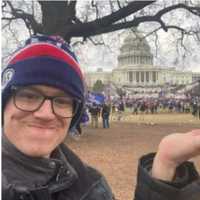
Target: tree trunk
(56,16)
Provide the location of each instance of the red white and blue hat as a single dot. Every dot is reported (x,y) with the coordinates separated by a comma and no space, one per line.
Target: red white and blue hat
(46,60)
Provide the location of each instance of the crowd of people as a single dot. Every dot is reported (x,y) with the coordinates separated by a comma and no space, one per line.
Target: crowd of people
(96,113)
(196,107)
(152,106)
(92,112)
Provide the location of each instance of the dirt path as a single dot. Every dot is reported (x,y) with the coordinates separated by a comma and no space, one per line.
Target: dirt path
(115,151)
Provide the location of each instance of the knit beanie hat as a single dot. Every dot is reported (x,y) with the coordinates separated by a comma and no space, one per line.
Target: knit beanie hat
(45,60)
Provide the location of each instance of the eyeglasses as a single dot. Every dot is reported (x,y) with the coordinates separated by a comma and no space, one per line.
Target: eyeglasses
(30,100)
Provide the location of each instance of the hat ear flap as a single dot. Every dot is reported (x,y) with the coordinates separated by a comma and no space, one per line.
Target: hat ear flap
(5,97)
(77,117)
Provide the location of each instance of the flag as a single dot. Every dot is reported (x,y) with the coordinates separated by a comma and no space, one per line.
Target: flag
(97,98)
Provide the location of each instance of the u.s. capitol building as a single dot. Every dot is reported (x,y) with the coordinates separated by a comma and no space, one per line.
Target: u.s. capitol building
(136,71)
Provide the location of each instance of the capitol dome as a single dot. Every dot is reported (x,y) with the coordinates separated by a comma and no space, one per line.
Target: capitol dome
(136,73)
(135,51)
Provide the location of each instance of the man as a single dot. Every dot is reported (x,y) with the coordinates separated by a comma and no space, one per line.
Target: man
(95,113)
(43,98)
(105,113)
(121,109)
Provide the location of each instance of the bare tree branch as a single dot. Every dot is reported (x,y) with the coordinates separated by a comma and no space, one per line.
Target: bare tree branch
(8,18)
(95,42)
(65,22)
(131,8)
(111,5)
(3,5)
(156,42)
(72,5)
(106,23)
(32,7)
(28,19)
(193,10)
(13,34)
(119,4)
(94,4)
(7,24)
(77,43)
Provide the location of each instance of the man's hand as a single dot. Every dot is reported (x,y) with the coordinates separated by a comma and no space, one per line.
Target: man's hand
(173,150)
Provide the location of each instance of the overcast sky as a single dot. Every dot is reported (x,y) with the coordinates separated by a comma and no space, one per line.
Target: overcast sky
(92,57)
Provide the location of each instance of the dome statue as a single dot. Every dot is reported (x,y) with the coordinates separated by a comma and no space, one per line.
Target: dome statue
(135,51)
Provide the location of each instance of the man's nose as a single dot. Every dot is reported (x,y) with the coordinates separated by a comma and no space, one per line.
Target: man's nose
(45,111)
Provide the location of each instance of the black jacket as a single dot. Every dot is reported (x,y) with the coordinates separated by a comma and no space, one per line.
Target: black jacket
(66,177)
(105,111)
(63,177)
(185,186)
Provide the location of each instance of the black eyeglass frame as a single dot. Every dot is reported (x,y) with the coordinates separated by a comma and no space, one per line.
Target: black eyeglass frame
(76,102)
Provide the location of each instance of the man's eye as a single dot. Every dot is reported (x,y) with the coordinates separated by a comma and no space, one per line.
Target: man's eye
(63,101)
(28,95)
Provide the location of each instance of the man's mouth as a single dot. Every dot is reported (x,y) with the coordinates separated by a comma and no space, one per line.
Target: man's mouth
(41,126)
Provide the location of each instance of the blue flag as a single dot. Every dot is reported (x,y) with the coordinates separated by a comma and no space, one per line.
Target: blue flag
(95,98)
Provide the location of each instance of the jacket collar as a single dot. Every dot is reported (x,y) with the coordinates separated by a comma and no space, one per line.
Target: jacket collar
(25,171)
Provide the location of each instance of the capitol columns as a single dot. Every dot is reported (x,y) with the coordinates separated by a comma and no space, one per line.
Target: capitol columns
(140,77)
(134,75)
(151,77)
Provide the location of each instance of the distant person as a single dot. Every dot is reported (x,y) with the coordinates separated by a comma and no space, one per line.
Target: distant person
(85,117)
(135,108)
(198,108)
(143,109)
(194,108)
(95,114)
(105,113)
(121,109)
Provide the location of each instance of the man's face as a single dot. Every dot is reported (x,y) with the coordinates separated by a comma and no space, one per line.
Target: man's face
(36,133)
